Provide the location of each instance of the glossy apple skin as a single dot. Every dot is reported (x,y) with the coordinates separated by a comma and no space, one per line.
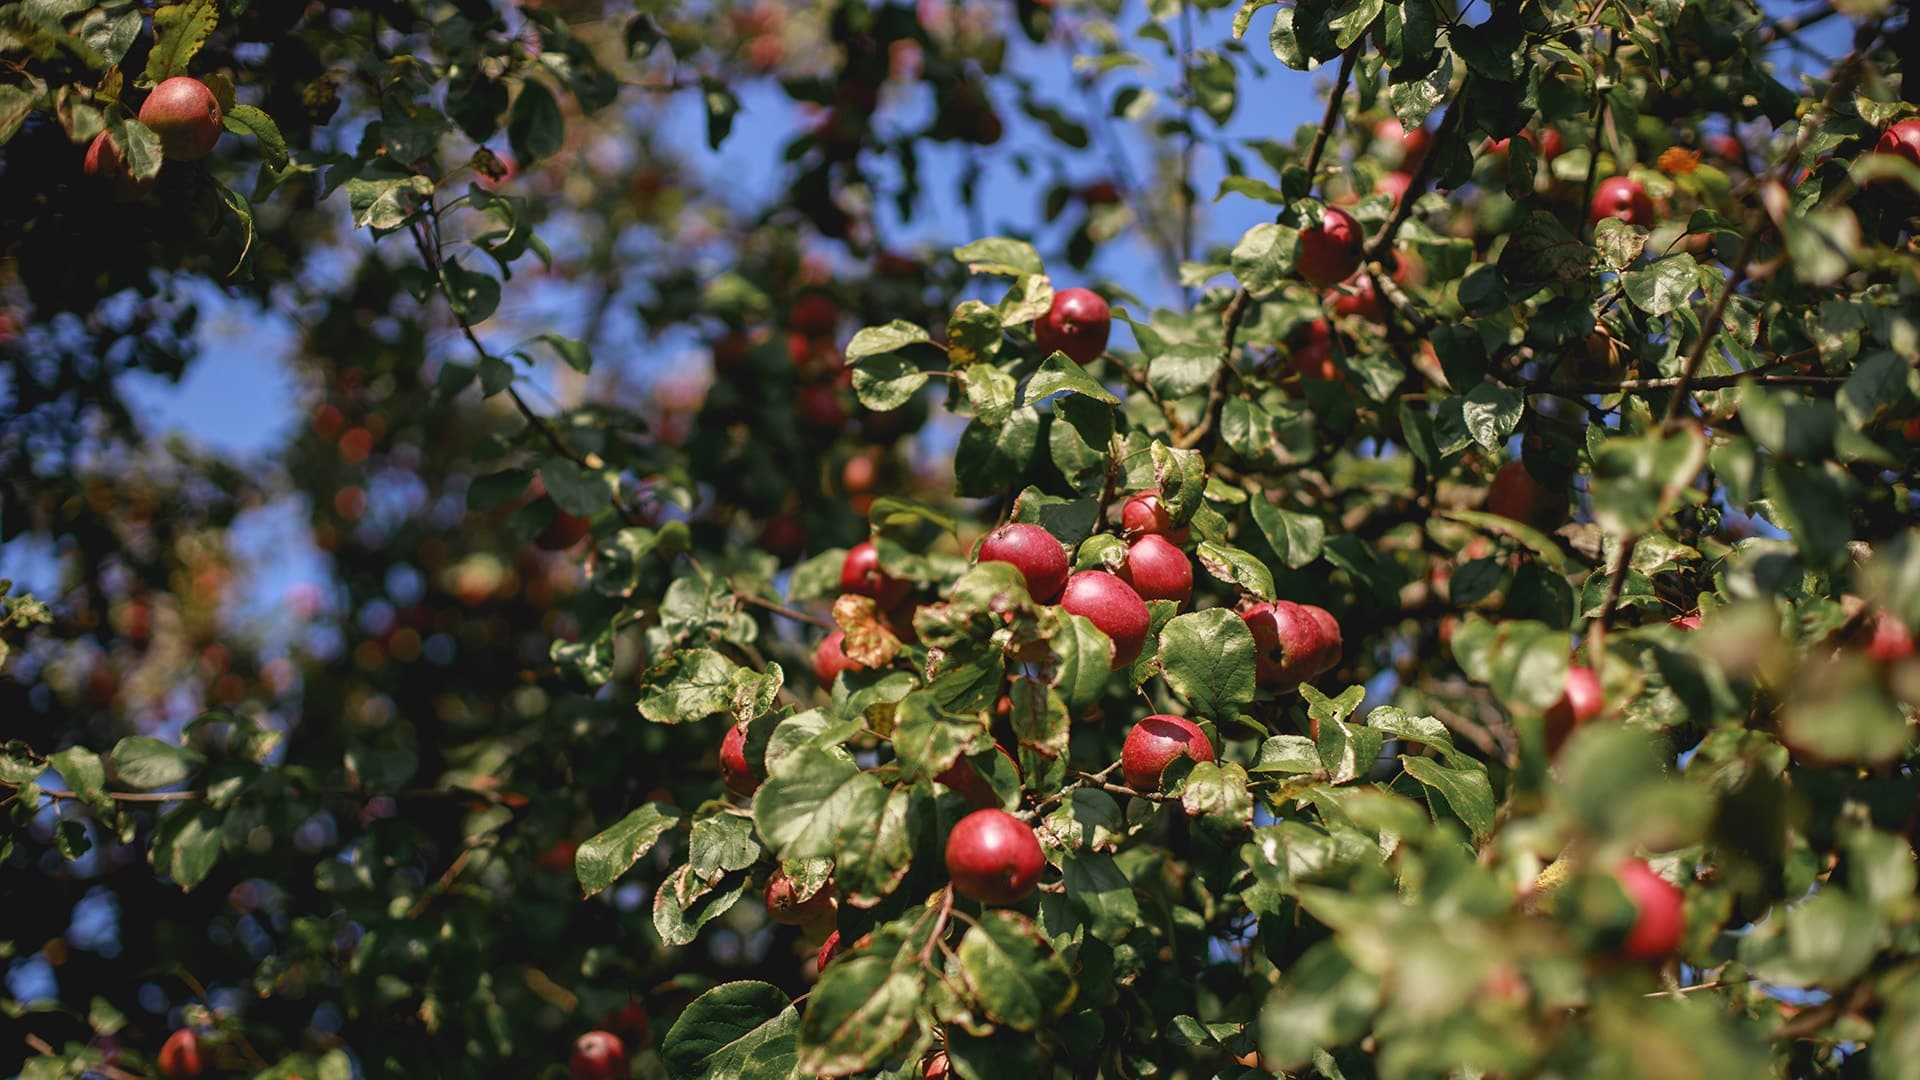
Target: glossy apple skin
(1903,139)
(105,163)
(830,659)
(968,782)
(1142,514)
(1077,324)
(1153,743)
(1293,643)
(180,1057)
(1624,198)
(1330,251)
(186,116)
(1580,701)
(993,857)
(734,770)
(1158,571)
(1113,606)
(861,575)
(785,907)
(1033,551)
(598,1055)
(1661,922)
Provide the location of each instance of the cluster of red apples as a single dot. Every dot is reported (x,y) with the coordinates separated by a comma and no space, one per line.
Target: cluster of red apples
(186,116)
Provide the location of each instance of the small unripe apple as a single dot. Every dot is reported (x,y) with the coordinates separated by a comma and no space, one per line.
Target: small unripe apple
(1113,606)
(861,575)
(598,1055)
(1157,570)
(1624,198)
(180,1055)
(1033,551)
(968,782)
(1887,638)
(1661,919)
(1903,139)
(1077,324)
(1153,743)
(830,659)
(186,116)
(734,770)
(1292,643)
(1330,251)
(784,905)
(1580,701)
(105,163)
(1142,515)
(1517,496)
(993,857)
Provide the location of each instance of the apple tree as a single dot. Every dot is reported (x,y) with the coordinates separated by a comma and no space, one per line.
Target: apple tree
(1424,587)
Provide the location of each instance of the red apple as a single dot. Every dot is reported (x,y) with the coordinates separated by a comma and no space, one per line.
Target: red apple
(1077,324)
(1549,143)
(785,906)
(819,409)
(1903,139)
(1330,251)
(784,537)
(1153,743)
(1157,570)
(1292,643)
(814,315)
(1142,515)
(1394,184)
(1033,551)
(734,770)
(830,659)
(186,116)
(1887,638)
(1685,622)
(1412,144)
(1661,921)
(1113,606)
(1580,701)
(937,1067)
(631,1020)
(861,575)
(1624,198)
(829,949)
(105,163)
(993,857)
(1310,352)
(564,531)
(180,1055)
(1728,148)
(598,1055)
(968,782)
(1517,496)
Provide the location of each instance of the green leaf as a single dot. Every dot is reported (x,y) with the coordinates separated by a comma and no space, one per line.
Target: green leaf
(1351,19)
(576,353)
(612,852)
(1619,243)
(928,740)
(186,844)
(1058,373)
(721,840)
(735,1031)
(1263,259)
(1296,537)
(85,774)
(1541,250)
(179,30)
(1000,256)
(689,685)
(1637,480)
(991,458)
(1218,792)
(576,488)
(1665,286)
(1085,661)
(1491,413)
(474,296)
(1465,788)
(247,120)
(1012,974)
(1181,476)
(808,800)
(684,904)
(1288,754)
(144,763)
(1347,751)
(535,127)
(859,1009)
(881,340)
(1208,660)
(973,335)
(1825,941)
(386,204)
(874,850)
(1823,243)
(1101,893)
(886,382)
(722,106)
(1236,567)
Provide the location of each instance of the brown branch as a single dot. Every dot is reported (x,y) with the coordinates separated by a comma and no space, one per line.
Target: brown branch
(778,609)
(1236,310)
(1711,382)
